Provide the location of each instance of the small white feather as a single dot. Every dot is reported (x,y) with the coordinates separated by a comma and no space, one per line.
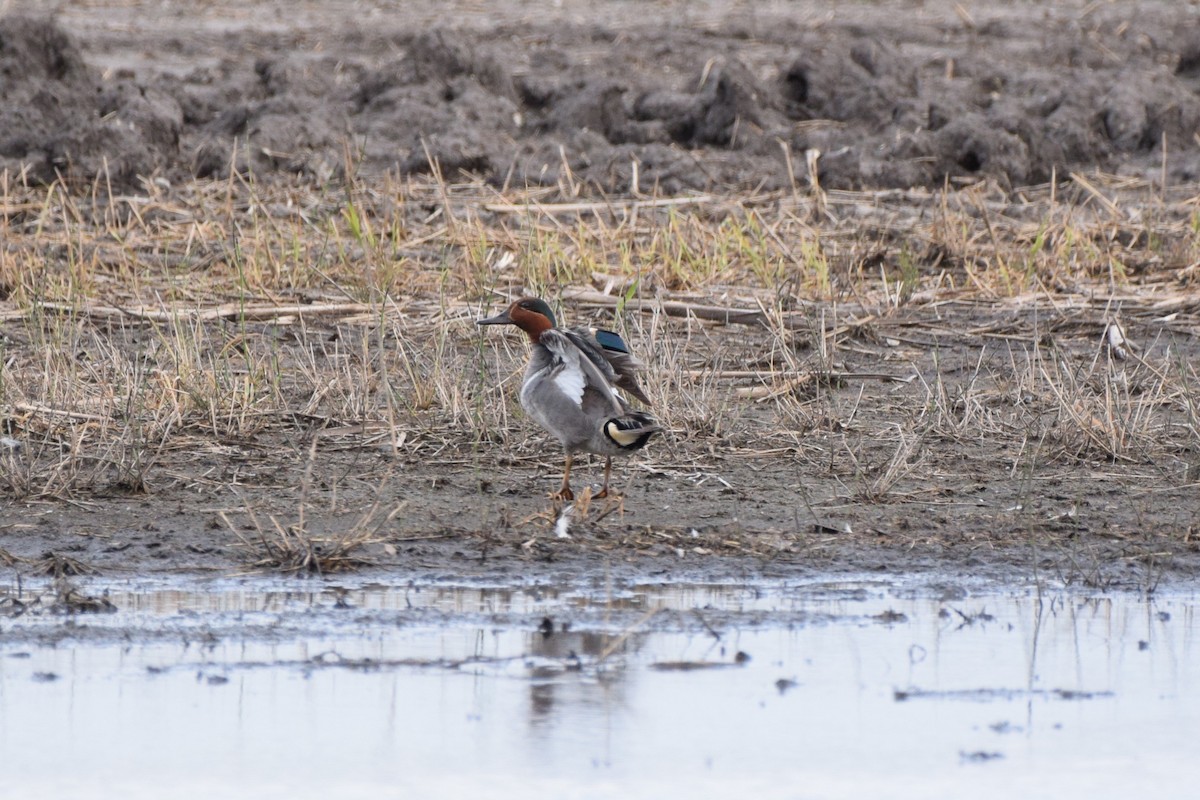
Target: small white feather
(1117,342)
(563,526)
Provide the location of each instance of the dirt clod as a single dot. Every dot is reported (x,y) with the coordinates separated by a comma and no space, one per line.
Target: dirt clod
(894,95)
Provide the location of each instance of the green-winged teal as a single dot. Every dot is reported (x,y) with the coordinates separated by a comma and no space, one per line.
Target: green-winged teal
(570,387)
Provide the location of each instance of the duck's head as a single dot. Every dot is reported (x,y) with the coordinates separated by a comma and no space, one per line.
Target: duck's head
(530,314)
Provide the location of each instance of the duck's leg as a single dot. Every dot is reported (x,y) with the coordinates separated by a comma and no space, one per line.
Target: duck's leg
(607,472)
(565,492)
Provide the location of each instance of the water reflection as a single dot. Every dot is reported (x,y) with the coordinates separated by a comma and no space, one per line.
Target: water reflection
(371,690)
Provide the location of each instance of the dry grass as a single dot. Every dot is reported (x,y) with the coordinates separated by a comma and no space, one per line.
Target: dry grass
(145,336)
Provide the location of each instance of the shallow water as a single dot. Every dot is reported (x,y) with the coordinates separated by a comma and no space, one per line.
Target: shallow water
(851,689)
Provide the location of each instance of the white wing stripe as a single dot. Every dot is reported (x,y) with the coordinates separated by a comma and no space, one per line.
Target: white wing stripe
(570,381)
(572,371)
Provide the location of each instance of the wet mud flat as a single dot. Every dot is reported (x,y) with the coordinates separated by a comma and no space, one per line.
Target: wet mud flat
(361,687)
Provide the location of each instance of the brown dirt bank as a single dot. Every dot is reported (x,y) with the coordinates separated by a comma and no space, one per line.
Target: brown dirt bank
(604,96)
(993,454)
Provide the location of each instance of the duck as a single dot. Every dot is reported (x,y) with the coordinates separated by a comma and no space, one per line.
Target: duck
(573,388)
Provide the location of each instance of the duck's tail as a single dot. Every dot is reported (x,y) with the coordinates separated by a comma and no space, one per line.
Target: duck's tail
(631,431)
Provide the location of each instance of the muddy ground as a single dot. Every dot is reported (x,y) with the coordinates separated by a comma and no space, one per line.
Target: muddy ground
(954,466)
(963,464)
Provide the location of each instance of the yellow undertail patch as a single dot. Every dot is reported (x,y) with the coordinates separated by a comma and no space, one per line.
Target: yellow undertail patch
(623,437)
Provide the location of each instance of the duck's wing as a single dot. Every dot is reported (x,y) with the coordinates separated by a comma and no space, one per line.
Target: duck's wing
(609,353)
(574,370)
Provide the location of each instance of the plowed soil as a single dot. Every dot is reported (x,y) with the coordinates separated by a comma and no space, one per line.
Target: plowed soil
(697,95)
